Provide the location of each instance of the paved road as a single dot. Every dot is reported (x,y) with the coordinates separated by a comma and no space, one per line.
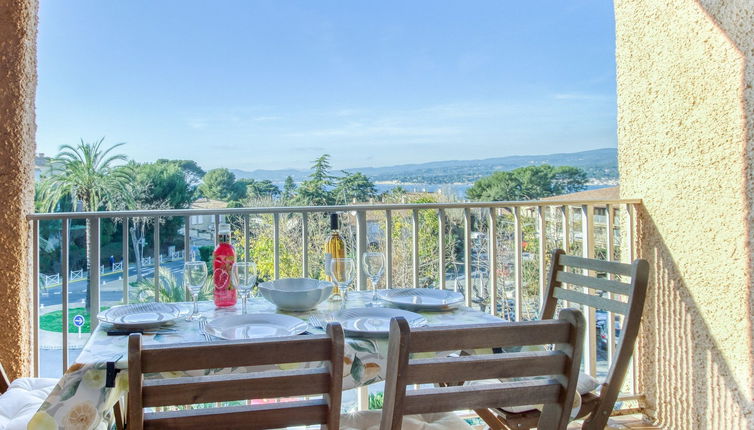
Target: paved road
(77,289)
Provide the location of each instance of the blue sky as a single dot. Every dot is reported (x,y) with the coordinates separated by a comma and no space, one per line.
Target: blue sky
(274,84)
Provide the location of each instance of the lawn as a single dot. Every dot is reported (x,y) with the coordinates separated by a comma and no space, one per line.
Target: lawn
(53,321)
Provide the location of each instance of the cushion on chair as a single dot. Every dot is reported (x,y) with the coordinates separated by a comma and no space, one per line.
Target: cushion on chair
(586,384)
(370,420)
(21,401)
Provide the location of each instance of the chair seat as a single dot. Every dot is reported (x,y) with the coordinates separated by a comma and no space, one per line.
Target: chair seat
(370,420)
(22,400)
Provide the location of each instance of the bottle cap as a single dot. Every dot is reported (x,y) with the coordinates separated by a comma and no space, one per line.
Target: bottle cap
(333,221)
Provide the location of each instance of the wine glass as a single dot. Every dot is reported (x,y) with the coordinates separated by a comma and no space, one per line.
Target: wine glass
(244,276)
(341,271)
(374,266)
(195,275)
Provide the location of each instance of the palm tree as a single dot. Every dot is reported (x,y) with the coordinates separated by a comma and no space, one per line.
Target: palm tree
(92,178)
(89,175)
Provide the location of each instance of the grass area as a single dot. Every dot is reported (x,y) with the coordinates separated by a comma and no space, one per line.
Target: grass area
(53,321)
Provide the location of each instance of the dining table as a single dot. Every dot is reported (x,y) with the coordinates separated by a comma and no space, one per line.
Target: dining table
(85,396)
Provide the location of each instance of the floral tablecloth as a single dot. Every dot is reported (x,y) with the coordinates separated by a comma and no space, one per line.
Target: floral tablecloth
(82,401)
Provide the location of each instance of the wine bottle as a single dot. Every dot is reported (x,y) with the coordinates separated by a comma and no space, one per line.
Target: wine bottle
(335,247)
(222,262)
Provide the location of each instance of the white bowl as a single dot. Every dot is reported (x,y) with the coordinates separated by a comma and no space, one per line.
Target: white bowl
(296,294)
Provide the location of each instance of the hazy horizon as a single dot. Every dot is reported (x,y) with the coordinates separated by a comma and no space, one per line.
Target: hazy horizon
(273,85)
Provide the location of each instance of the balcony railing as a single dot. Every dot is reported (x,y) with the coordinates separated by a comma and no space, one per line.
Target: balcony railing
(495,253)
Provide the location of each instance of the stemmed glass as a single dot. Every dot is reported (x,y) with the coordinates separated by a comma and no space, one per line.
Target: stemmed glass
(244,276)
(195,275)
(374,266)
(341,271)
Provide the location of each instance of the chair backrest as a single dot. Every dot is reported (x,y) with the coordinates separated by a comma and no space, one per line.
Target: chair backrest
(581,288)
(326,379)
(559,368)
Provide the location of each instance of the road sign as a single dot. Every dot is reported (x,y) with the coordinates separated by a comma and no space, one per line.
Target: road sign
(78,321)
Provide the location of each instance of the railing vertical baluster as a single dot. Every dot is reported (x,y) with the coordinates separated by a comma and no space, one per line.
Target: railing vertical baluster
(35,294)
(541,225)
(388,249)
(217,228)
(65,236)
(518,262)
(94,287)
(492,244)
(187,240)
(156,253)
(415,246)
(124,258)
(304,245)
(590,339)
(246,238)
(565,213)
(441,246)
(630,255)
(276,243)
(467,254)
(610,324)
(361,248)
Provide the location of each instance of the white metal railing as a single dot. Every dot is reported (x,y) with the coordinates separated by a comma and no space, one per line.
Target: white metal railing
(489,257)
(76,275)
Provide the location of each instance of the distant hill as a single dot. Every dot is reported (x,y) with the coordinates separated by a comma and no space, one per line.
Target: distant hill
(600,164)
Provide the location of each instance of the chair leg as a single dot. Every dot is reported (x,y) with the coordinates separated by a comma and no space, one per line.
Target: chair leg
(119,418)
(492,421)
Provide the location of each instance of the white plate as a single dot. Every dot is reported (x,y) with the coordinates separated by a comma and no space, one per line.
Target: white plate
(421,299)
(140,315)
(374,322)
(255,326)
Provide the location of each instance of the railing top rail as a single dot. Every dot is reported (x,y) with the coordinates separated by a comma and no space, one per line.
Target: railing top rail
(309,209)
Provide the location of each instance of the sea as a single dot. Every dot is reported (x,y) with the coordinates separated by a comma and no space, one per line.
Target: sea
(457,190)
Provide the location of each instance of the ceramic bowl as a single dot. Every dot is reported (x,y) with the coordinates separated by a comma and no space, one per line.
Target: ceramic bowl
(296,294)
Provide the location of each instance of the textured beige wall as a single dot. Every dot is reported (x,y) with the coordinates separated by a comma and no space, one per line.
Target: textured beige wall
(18,79)
(685,122)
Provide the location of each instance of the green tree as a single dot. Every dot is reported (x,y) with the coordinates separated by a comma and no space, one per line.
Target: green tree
(354,186)
(317,190)
(161,185)
(528,183)
(220,184)
(260,189)
(289,189)
(191,170)
(90,176)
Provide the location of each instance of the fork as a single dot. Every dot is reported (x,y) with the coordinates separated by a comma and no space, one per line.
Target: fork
(318,322)
(203,329)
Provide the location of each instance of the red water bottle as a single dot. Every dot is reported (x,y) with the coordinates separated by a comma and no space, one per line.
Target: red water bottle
(222,262)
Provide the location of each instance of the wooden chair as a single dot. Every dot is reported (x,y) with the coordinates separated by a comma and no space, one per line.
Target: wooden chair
(559,369)
(326,381)
(595,409)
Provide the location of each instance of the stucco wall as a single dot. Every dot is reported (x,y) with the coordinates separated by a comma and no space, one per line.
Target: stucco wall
(18,78)
(685,148)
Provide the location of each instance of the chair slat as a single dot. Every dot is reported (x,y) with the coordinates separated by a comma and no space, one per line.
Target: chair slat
(590,300)
(241,417)
(530,392)
(609,285)
(478,367)
(167,358)
(488,335)
(596,265)
(229,387)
